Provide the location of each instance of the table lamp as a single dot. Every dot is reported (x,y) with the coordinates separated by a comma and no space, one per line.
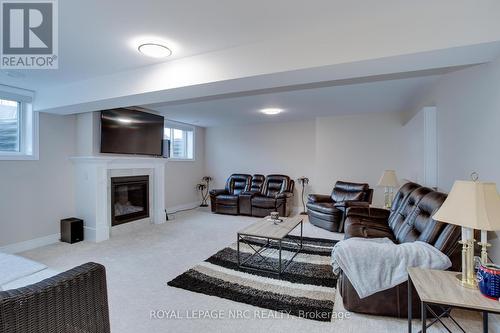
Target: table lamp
(389,181)
(471,205)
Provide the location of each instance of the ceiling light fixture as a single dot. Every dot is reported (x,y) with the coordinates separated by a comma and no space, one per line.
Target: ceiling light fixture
(271,111)
(154,50)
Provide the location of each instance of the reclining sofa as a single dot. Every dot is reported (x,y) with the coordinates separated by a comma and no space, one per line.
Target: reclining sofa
(256,195)
(409,220)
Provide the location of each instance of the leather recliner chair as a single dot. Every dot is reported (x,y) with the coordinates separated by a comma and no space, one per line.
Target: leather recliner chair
(226,201)
(276,195)
(410,219)
(328,211)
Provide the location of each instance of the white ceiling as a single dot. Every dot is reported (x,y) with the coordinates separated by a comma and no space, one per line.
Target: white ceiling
(393,95)
(95,35)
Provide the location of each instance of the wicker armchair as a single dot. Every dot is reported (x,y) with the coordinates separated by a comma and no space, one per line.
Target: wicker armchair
(74,301)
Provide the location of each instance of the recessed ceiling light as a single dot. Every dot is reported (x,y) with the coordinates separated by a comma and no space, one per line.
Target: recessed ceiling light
(271,111)
(154,50)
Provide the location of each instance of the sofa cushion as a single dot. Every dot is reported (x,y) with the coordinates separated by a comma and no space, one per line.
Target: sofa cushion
(420,225)
(237,183)
(275,184)
(227,199)
(344,191)
(15,267)
(364,231)
(263,202)
(257,183)
(397,219)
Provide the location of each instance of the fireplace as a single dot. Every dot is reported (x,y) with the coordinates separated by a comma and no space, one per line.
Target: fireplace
(129,199)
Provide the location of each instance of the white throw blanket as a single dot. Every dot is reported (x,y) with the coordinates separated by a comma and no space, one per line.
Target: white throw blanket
(377,264)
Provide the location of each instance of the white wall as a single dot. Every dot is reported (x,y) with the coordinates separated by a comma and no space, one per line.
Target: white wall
(468,106)
(354,148)
(35,195)
(181,177)
(359,148)
(286,148)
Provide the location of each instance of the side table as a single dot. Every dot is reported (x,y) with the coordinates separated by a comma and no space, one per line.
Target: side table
(442,289)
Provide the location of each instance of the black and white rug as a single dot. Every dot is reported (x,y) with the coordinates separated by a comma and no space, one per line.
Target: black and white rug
(306,289)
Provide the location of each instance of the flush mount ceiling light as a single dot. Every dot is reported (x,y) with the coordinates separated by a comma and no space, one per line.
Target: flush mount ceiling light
(271,111)
(154,50)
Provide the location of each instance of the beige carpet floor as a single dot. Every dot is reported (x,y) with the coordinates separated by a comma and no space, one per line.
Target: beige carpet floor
(141,258)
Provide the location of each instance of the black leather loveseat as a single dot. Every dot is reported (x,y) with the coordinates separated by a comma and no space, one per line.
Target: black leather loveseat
(409,220)
(256,195)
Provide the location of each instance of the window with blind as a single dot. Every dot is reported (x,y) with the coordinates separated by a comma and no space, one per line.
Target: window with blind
(18,125)
(181,139)
(10,126)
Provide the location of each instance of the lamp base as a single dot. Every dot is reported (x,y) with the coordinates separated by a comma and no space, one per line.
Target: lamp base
(204,205)
(467,284)
(303,213)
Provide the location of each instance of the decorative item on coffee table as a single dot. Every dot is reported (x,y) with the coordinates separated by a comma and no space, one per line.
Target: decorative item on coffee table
(204,189)
(303,181)
(275,217)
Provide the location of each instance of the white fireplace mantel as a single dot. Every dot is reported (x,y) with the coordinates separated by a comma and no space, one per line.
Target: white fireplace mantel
(93,189)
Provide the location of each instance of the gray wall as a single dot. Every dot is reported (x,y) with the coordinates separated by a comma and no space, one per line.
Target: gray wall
(354,148)
(35,195)
(468,106)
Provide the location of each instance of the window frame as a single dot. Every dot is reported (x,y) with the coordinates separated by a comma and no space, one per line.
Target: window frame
(173,125)
(28,134)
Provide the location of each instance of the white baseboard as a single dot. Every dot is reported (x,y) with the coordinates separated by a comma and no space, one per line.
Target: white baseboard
(171,210)
(30,244)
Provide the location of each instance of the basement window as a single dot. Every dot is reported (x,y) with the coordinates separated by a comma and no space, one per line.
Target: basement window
(180,138)
(18,125)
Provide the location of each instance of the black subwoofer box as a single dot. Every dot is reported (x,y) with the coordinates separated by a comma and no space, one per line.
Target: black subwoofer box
(71,230)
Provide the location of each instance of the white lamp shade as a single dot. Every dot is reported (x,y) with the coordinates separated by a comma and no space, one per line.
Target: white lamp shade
(388,179)
(473,205)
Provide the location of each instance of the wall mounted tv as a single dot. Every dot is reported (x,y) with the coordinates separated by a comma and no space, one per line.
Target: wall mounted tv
(125,131)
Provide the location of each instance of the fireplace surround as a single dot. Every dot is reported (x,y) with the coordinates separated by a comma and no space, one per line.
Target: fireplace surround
(93,187)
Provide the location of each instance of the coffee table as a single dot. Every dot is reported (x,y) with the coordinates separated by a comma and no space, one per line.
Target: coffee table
(273,234)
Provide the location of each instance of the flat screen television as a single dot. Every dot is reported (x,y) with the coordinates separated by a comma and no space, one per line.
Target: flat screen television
(125,131)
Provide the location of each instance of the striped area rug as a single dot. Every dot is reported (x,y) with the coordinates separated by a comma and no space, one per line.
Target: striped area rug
(306,289)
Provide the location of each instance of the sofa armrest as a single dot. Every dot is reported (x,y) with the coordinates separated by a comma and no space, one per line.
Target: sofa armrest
(284,195)
(216,192)
(77,298)
(352,203)
(319,198)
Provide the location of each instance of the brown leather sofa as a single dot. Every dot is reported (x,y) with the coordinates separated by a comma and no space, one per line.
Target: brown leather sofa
(328,211)
(410,219)
(226,201)
(255,195)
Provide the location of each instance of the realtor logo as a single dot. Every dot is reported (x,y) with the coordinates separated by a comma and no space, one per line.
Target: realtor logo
(29,34)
